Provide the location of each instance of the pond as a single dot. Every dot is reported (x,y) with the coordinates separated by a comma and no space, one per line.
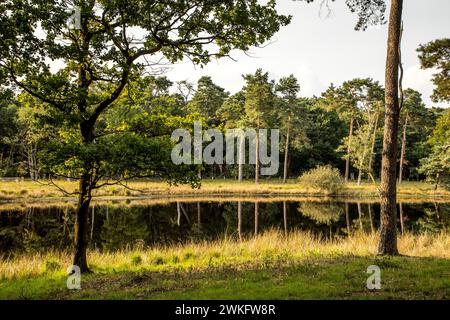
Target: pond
(116,225)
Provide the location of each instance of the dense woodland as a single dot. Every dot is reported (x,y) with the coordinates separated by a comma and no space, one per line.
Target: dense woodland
(341,127)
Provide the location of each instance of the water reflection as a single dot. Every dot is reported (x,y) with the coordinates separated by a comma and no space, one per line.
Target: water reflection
(116,226)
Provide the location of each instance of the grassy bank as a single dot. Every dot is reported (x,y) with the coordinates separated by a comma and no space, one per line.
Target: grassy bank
(23,190)
(270,266)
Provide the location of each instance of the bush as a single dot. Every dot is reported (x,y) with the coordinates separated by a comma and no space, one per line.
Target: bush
(136,260)
(324,178)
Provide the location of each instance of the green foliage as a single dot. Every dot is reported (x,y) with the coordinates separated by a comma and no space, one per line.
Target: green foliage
(437,165)
(208,99)
(436,55)
(323,177)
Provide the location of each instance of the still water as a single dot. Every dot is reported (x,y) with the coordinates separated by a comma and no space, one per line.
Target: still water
(119,225)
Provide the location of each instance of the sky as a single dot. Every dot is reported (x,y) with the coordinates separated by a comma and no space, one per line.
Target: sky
(320,50)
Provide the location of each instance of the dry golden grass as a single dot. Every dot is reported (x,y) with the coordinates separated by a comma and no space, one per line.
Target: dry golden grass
(272,246)
(29,190)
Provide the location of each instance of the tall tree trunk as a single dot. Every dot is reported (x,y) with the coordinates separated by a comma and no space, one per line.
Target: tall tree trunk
(347,161)
(403,151)
(81,223)
(286,153)
(388,192)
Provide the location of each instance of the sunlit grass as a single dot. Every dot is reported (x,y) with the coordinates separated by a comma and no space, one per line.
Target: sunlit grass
(17,190)
(272,247)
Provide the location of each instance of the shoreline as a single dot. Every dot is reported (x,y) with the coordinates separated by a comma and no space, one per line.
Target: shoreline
(33,192)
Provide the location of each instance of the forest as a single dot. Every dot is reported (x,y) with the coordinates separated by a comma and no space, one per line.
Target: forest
(94,204)
(341,128)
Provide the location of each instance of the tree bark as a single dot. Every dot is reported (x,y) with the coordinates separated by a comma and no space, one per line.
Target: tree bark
(388,192)
(347,161)
(81,223)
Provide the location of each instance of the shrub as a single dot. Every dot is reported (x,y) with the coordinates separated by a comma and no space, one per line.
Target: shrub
(324,178)
(136,260)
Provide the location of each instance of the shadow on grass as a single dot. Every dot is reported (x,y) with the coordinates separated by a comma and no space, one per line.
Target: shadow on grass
(342,277)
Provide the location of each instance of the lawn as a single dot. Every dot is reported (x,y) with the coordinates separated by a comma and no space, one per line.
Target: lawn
(270,266)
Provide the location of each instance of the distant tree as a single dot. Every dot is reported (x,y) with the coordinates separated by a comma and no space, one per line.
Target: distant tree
(292,117)
(208,98)
(259,102)
(8,131)
(436,55)
(414,120)
(357,102)
(437,165)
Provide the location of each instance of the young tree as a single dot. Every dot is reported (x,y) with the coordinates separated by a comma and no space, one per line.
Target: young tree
(101,54)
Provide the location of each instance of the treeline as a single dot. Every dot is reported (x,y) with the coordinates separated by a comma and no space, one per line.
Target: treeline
(342,127)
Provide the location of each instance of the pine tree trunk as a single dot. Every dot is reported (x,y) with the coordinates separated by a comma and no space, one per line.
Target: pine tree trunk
(347,161)
(388,192)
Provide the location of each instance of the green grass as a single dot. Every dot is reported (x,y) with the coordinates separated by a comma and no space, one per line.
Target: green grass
(270,266)
(317,278)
